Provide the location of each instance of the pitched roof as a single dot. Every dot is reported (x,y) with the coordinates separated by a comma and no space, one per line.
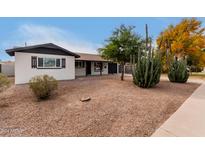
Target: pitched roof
(58,50)
(90,57)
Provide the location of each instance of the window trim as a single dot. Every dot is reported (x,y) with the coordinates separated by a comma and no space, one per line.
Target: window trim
(63,63)
(33,62)
(60,65)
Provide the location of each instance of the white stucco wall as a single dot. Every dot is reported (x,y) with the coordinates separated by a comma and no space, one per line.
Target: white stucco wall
(104,71)
(118,70)
(24,72)
(7,69)
(80,71)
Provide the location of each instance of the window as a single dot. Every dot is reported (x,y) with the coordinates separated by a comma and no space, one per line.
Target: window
(49,62)
(97,66)
(40,62)
(79,64)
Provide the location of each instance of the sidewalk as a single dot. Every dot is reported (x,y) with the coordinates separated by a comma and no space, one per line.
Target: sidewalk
(189,119)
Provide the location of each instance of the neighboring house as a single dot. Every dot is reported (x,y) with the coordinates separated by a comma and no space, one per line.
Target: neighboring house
(56,61)
(7,68)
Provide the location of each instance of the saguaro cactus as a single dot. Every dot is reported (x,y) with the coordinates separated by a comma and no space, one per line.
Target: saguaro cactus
(147,71)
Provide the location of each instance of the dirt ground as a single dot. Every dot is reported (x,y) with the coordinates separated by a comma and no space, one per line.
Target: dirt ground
(116,108)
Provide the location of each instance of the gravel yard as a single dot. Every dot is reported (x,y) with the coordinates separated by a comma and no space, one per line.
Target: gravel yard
(116,108)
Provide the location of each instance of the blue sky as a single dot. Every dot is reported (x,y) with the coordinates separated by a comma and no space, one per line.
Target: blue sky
(75,34)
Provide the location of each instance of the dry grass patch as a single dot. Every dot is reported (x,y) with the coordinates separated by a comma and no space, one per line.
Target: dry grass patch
(116,108)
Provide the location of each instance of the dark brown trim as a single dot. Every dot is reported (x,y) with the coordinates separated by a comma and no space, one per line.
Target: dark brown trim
(63,63)
(33,62)
(48,48)
(49,68)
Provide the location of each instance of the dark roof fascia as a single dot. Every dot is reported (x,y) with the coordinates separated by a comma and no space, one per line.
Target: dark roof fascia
(47,46)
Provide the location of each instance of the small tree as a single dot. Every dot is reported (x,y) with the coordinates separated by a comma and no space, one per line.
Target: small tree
(181,40)
(120,45)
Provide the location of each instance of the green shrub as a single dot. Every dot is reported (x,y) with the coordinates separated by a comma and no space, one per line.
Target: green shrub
(147,71)
(4,81)
(178,71)
(43,86)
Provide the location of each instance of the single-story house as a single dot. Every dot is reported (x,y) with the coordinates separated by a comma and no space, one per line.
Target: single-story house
(7,68)
(56,61)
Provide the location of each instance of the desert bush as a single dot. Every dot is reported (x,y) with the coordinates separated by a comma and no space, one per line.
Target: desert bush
(43,86)
(147,71)
(4,81)
(178,71)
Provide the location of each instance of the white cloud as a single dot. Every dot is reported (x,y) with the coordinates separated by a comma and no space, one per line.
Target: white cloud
(38,34)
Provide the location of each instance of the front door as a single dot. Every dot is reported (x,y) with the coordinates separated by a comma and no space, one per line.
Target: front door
(112,68)
(88,68)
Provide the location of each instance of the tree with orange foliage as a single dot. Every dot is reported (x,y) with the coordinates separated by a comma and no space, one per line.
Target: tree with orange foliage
(184,40)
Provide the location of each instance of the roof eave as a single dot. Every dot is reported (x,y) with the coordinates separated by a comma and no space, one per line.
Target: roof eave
(11,52)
